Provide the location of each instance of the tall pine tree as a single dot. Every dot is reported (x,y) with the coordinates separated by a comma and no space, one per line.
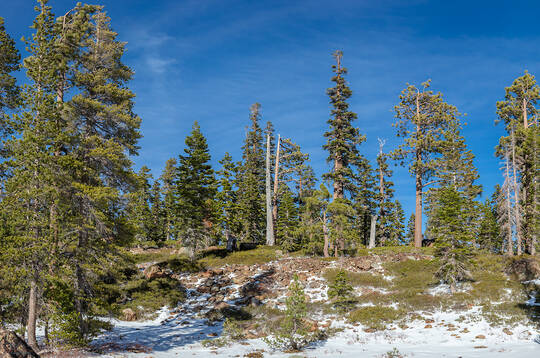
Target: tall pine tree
(342,146)
(195,190)
(421,120)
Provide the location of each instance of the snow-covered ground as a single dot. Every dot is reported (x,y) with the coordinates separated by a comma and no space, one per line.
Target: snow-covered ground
(180,335)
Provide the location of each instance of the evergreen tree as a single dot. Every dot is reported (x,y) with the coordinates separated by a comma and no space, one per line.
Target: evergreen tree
(169,204)
(9,91)
(519,113)
(227,199)
(395,227)
(384,198)
(342,145)
(341,292)
(453,236)
(157,213)
(489,235)
(454,168)
(195,190)
(409,234)
(313,225)
(251,179)
(30,188)
(421,120)
(287,222)
(105,131)
(293,332)
(139,208)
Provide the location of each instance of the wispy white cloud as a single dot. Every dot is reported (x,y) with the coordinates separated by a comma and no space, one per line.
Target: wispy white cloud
(159,65)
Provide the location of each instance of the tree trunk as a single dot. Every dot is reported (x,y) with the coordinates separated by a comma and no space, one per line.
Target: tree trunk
(524,110)
(372,232)
(418,213)
(270,239)
(325,233)
(510,248)
(515,185)
(381,189)
(418,206)
(276,182)
(32,315)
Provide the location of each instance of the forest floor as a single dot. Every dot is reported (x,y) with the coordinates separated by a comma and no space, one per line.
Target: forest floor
(400,310)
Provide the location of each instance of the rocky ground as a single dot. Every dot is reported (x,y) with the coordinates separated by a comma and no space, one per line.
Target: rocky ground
(253,294)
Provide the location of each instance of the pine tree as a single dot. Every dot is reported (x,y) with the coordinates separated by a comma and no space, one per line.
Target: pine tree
(195,190)
(293,332)
(251,179)
(227,199)
(395,227)
(139,208)
(30,189)
(341,292)
(489,235)
(409,234)
(9,91)
(169,204)
(421,119)
(313,225)
(157,213)
(384,198)
(105,132)
(519,113)
(454,168)
(342,145)
(505,207)
(287,222)
(364,201)
(453,236)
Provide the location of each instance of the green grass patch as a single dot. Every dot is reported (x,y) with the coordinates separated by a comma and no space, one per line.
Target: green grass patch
(260,255)
(358,278)
(388,250)
(377,317)
(158,255)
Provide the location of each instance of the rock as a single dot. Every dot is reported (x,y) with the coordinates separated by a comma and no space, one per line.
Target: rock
(326,324)
(429,320)
(508,332)
(129,314)
(222,305)
(480,336)
(524,269)
(208,274)
(154,271)
(428,326)
(12,346)
(370,330)
(312,325)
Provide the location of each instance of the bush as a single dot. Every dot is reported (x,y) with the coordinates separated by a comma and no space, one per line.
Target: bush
(377,317)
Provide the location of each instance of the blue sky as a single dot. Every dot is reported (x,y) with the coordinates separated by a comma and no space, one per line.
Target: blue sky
(208,60)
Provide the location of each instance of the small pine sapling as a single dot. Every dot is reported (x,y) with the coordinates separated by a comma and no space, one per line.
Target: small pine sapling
(341,292)
(293,331)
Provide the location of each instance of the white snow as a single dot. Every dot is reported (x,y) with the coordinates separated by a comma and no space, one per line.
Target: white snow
(181,334)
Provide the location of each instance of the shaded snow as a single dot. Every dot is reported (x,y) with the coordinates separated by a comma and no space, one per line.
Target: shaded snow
(177,335)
